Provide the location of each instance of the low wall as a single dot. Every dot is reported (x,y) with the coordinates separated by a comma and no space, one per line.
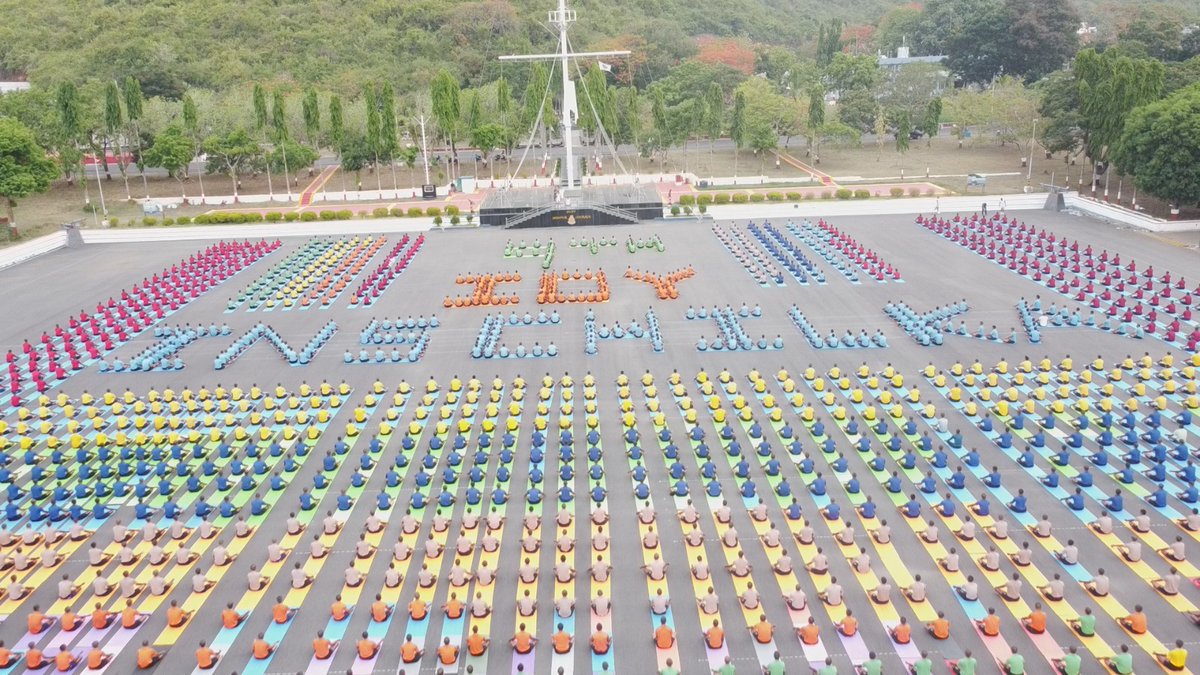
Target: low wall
(257,230)
(19,253)
(1124,216)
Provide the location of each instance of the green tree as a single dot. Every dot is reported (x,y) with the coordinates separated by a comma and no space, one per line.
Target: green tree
(25,168)
(388,141)
(903,129)
(113,121)
(1159,146)
(486,138)
(829,41)
(233,154)
(337,125)
(280,135)
(737,126)
(356,154)
(261,119)
(290,153)
(172,150)
(445,95)
(1110,86)
(816,118)
(374,129)
(858,109)
(897,26)
(714,109)
(191,124)
(846,73)
(311,110)
(134,107)
(762,139)
(70,120)
(1058,111)
(932,120)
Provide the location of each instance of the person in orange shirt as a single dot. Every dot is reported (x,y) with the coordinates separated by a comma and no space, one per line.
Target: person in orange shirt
(130,617)
(380,610)
(37,622)
(453,607)
(366,648)
(1135,623)
(7,656)
(476,643)
(64,660)
(101,618)
(1036,621)
(409,651)
(147,656)
(322,647)
(714,637)
(849,624)
(417,609)
(902,633)
(176,617)
(763,631)
(522,642)
(338,610)
(940,628)
(600,640)
(281,613)
(69,620)
(447,654)
(261,649)
(561,641)
(664,637)
(206,657)
(990,625)
(230,618)
(97,658)
(34,659)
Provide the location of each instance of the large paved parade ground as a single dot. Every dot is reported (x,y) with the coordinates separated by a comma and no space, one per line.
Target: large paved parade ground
(619,426)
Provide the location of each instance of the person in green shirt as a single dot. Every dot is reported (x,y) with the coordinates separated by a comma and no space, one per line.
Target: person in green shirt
(775,667)
(1085,625)
(923,666)
(1070,663)
(872,666)
(670,668)
(965,665)
(1015,665)
(827,669)
(1122,663)
(726,668)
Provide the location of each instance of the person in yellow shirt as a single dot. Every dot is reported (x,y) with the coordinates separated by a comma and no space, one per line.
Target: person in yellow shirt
(1174,659)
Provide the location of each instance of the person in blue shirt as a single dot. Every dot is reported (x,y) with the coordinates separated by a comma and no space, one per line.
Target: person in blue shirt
(593,454)
(734,449)
(1019,504)
(383,501)
(1189,495)
(748,489)
(839,464)
(1004,440)
(641,491)
(344,502)
(1050,480)
(677,470)
(499,496)
(340,446)
(893,483)
(946,506)
(908,460)
(634,453)
(992,479)
(928,483)
(867,509)
(422,478)
(401,460)
(418,500)
(565,494)
(795,448)
(1124,475)
(985,424)
(971,459)
(429,462)
(1158,498)
(713,488)
(956,440)
(958,479)
(771,468)
(1157,473)
(277,483)
(502,473)
(853,486)
(446,498)
(1115,503)
(784,489)
(533,495)
(1133,457)
(818,486)
(227,509)
(806,466)
(742,469)
(203,508)
(708,470)
(939,458)
(258,506)
(877,463)
(912,508)
(863,444)
(983,507)
(599,494)
(828,446)
(1075,501)
(1188,473)
(1025,459)
(536,455)
(832,511)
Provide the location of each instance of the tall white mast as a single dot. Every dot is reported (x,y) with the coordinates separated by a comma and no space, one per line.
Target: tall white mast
(562,18)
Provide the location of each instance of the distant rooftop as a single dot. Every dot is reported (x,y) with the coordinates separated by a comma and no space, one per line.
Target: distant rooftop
(903,58)
(6,87)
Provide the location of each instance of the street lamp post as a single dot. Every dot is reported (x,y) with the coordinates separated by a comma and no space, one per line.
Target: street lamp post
(1029,164)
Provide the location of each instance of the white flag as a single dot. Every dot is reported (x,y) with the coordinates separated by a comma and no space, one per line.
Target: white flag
(606,67)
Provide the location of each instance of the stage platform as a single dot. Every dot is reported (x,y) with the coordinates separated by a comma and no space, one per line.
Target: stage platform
(589,205)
